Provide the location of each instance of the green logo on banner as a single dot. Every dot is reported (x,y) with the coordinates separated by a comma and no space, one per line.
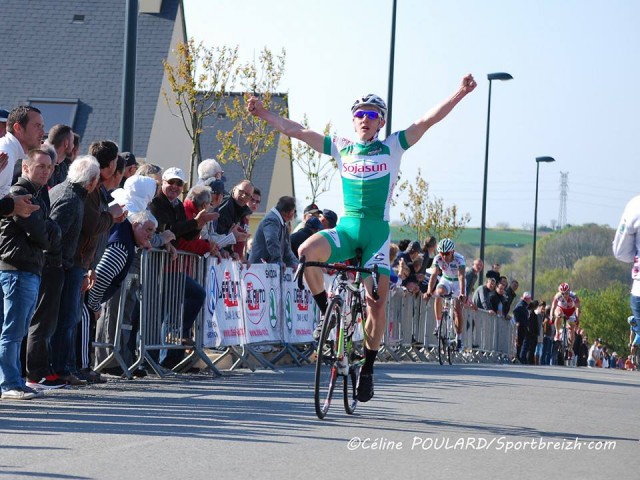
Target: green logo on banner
(287,312)
(273,312)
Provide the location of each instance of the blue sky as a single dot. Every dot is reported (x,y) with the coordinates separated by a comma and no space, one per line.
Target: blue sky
(574,95)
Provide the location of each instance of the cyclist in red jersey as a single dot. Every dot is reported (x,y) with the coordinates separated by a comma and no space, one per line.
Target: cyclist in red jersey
(565,304)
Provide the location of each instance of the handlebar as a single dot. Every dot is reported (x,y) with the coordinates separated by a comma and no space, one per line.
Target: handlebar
(375,275)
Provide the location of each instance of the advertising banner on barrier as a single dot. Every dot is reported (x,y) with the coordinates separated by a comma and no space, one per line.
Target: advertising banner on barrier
(261,295)
(223,325)
(300,312)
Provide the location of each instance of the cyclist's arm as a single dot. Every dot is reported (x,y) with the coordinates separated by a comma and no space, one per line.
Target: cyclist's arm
(433,279)
(461,280)
(433,116)
(286,126)
(554,305)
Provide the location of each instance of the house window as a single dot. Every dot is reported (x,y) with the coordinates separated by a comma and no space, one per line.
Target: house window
(56,110)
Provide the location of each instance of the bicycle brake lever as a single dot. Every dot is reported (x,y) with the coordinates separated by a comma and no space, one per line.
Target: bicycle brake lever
(375,282)
(299,271)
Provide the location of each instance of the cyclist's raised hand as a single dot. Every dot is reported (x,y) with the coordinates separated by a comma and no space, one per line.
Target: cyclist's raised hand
(468,84)
(255,106)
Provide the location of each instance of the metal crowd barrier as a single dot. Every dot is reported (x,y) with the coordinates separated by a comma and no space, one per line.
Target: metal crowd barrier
(162,311)
(408,333)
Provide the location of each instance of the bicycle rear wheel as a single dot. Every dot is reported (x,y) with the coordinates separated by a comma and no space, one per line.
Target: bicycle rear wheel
(351,379)
(326,361)
(443,339)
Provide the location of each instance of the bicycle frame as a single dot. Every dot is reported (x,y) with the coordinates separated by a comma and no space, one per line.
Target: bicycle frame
(335,354)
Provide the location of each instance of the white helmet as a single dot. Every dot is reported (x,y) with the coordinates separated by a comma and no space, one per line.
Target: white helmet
(372,100)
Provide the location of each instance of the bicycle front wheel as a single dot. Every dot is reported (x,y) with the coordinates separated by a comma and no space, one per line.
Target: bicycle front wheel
(350,382)
(451,336)
(326,367)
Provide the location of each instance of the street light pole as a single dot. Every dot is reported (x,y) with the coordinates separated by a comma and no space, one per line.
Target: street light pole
(391,64)
(535,224)
(483,224)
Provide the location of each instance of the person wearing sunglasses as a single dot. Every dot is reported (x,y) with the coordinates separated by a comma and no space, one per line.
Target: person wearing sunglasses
(448,270)
(369,169)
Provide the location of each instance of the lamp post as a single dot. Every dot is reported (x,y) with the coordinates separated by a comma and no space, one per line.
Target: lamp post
(392,51)
(535,224)
(483,225)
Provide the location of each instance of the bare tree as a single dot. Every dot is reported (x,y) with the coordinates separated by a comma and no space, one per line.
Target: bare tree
(198,81)
(251,137)
(430,217)
(318,169)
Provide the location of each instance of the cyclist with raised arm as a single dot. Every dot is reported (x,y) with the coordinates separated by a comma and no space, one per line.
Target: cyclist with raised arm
(449,266)
(566,304)
(369,171)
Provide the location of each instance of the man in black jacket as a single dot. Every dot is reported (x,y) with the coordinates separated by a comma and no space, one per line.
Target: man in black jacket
(169,212)
(22,245)
(483,292)
(67,210)
(521,317)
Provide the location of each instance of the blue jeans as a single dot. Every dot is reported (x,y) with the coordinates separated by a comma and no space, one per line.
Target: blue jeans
(635,307)
(547,347)
(63,345)
(20,291)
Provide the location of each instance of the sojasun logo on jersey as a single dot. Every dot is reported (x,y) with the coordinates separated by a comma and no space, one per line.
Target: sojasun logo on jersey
(363,167)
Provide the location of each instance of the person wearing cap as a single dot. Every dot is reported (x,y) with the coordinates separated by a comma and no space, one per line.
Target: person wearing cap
(311,226)
(272,243)
(130,166)
(309,211)
(170,213)
(369,169)
(328,218)
(4,115)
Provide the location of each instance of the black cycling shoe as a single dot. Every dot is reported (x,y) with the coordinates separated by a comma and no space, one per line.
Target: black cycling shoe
(364,388)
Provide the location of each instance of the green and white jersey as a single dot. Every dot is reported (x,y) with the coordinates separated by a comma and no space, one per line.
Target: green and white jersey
(369,173)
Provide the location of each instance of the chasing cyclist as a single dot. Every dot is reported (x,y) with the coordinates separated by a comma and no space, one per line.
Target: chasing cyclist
(566,304)
(448,265)
(369,169)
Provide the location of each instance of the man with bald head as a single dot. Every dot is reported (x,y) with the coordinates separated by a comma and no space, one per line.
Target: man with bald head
(234,207)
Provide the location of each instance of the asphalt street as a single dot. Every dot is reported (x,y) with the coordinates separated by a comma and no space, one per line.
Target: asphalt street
(468,421)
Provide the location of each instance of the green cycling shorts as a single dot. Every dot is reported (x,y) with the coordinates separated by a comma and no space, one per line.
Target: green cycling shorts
(371,235)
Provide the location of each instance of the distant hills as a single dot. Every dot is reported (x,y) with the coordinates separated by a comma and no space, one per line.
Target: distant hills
(511,238)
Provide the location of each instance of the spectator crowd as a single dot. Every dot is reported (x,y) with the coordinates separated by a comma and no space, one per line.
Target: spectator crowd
(73,227)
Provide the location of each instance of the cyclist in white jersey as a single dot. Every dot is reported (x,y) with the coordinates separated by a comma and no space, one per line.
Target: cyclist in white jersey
(369,169)
(450,266)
